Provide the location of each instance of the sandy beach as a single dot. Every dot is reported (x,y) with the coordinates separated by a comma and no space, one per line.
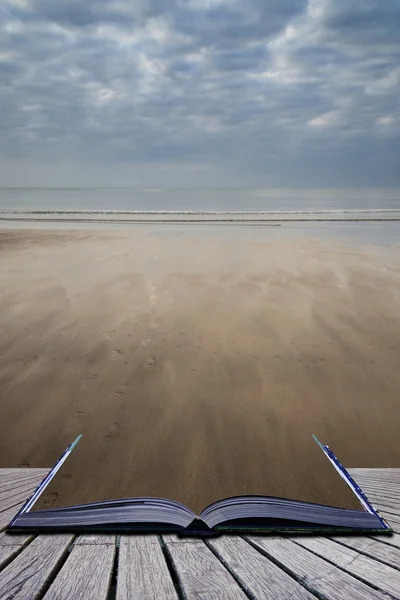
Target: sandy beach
(197,362)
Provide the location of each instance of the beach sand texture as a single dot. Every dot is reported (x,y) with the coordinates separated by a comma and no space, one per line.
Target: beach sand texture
(197,362)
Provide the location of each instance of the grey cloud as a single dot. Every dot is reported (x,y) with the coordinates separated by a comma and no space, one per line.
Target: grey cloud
(289,86)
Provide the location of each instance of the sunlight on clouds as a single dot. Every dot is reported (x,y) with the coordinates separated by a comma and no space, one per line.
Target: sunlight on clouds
(329,119)
(385,121)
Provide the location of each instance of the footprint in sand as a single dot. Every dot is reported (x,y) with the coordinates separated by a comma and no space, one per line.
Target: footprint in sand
(113,432)
(89,381)
(145,343)
(151,363)
(119,393)
(115,354)
(79,413)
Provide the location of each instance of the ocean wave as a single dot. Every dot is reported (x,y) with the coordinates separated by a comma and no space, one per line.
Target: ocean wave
(80,212)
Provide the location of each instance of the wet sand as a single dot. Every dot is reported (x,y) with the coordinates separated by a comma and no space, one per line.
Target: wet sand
(197,362)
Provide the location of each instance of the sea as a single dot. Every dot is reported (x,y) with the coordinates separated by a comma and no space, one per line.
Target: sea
(372,213)
(46,199)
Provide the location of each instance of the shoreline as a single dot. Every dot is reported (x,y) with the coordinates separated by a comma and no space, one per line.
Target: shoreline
(198,217)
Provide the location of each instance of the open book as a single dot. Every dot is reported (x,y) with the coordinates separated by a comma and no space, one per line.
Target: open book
(240,514)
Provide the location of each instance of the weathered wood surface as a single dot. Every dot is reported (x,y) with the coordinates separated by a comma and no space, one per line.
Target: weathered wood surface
(354,563)
(27,575)
(201,574)
(11,498)
(316,574)
(393,540)
(101,567)
(373,548)
(85,574)
(10,546)
(143,571)
(258,575)
(15,488)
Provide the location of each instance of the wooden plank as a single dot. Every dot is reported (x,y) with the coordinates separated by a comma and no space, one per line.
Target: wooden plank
(6,484)
(385,498)
(10,503)
(143,571)
(390,517)
(388,508)
(4,473)
(6,480)
(7,515)
(379,486)
(93,539)
(391,493)
(23,472)
(387,494)
(172,538)
(375,573)
(27,575)
(201,574)
(390,481)
(85,574)
(395,526)
(17,489)
(11,499)
(10,545)
(373,548)
(258,575)
(317,575)
(375,472)
(391,540)
(16,539)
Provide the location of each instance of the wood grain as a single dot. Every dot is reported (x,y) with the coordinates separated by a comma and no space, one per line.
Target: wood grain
(258,574)
(392,540)
(95,540)
(7,515)
(10,545)
(385,504)
(373,548)
(26,576)
(7,539)
(13,484)
(143,571)
(11,498)
(86,574)
(315,573)
(201,574)
(23,471)
(382,576)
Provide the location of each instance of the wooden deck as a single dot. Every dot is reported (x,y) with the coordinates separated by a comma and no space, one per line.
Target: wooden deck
(105,567)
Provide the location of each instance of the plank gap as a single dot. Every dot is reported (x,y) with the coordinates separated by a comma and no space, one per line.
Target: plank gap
(331,562)
(288,571)
(54,572)
(17,503)
(18,550)
(235,576)
(367,554)
(173,571)
(112,590)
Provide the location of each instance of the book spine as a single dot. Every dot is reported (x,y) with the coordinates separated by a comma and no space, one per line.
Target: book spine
(45,482)
(351,483)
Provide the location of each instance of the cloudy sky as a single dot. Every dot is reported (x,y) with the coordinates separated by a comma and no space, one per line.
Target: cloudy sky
(200,92)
